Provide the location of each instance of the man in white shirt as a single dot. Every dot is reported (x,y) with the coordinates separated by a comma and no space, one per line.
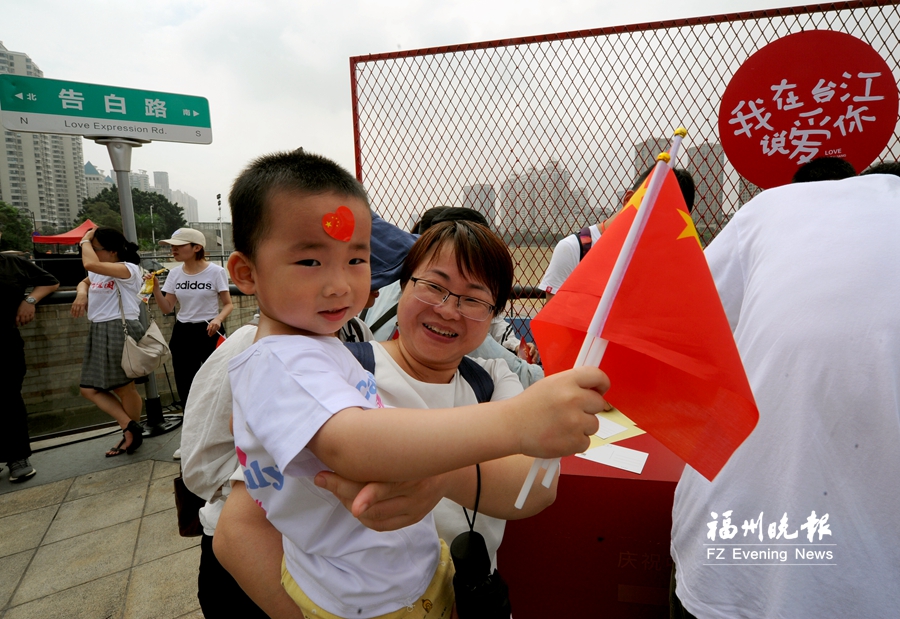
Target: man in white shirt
(802,520)
(571,249)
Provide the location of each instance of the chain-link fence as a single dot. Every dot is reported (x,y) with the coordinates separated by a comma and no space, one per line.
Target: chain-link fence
(544,134)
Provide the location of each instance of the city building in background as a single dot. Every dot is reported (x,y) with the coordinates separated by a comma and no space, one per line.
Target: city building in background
(541,204)
(161,184)
(139,179)
(95,180)
(187,203)
(40,173)
(218,236)
(746,191)
(481,198)
(645,154)
(706,163)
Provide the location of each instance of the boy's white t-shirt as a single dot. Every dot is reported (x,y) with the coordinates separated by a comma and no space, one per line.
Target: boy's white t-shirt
(285,388)
(103,302)
(197,294)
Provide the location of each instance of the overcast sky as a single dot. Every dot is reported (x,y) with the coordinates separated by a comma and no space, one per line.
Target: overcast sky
(276,72)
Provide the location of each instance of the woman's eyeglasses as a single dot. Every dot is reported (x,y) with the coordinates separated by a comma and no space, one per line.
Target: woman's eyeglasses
(435,294)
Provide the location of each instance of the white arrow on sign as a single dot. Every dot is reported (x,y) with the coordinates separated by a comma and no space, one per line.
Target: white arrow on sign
(19,96)
(196,113)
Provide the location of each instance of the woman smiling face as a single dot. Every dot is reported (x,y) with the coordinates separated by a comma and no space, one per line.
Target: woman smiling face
(434,338)
(463,259)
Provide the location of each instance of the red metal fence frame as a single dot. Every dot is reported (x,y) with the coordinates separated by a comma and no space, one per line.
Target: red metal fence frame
(406,103)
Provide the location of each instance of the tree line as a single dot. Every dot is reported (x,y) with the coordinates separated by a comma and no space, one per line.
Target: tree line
(16,226)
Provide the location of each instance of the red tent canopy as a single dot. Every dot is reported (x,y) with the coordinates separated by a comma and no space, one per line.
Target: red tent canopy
(66,238)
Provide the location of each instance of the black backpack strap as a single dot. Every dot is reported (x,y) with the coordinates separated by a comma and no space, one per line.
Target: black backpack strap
(356,328)
(364,354)
(585,242)
(478,378)
(384,318)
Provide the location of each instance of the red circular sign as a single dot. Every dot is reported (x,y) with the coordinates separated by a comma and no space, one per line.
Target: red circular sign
(812,94)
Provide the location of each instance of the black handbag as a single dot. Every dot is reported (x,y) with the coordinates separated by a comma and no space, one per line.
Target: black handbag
(480,594)
(187,506)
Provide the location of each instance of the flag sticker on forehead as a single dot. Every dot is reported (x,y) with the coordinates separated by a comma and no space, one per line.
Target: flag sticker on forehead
(340,224)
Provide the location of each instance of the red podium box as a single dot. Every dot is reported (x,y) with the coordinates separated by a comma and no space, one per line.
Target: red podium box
(602,549)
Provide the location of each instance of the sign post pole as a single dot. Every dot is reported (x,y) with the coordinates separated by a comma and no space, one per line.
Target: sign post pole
(120,156)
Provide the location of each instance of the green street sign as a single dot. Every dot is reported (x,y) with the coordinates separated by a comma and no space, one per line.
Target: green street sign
(40,105)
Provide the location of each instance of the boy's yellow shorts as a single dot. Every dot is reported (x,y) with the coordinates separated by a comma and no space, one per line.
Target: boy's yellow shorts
(435,603)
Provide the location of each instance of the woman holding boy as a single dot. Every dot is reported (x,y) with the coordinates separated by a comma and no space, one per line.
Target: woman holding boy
(302,404)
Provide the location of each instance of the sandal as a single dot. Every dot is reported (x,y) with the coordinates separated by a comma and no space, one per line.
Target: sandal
(117,450)
(137,436)
(137,439)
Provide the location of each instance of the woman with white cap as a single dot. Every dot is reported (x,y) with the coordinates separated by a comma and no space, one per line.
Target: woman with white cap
(197,286)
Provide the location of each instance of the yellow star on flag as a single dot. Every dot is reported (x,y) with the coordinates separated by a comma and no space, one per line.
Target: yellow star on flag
(689,229)
(638,196)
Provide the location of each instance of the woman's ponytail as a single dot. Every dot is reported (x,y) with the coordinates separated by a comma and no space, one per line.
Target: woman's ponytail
(113,240)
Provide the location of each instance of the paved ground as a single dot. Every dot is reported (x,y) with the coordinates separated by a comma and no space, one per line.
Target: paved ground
(96,538)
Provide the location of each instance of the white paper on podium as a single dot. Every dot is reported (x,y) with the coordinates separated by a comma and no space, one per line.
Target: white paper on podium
(618,457)
(608,428)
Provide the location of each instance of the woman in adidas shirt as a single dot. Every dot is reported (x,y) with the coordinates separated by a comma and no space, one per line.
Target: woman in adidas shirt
(197,286)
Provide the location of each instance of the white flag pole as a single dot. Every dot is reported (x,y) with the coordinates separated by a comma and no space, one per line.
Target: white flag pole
(593,347)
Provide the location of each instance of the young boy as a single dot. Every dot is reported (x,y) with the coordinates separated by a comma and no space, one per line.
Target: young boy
(303,404)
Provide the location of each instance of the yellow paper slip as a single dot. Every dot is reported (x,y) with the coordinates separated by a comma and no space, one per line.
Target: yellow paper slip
(614,427)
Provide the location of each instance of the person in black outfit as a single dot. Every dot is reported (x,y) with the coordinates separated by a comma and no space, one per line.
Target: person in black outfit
(16,309)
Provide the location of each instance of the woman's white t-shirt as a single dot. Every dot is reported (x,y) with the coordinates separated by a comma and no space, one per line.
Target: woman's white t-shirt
(103,302)
(197,294)
(399,390)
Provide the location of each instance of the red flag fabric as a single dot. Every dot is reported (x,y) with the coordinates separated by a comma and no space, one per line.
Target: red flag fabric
(220,341)
(671,358)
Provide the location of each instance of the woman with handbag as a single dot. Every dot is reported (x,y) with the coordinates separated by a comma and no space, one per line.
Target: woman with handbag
(198,287)
(109,296)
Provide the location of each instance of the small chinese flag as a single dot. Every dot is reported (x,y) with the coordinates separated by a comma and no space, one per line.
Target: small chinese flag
(220,341)
(671,357)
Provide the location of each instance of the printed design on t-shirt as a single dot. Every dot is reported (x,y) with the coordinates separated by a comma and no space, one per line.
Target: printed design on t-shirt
(811,552)
(368,390)
(110,285)
(193,286)
(258,477)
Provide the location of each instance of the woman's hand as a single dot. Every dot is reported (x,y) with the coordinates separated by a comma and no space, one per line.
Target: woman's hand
(385,506)
(556,416)
(87,236)
(213,327)
(79,307)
